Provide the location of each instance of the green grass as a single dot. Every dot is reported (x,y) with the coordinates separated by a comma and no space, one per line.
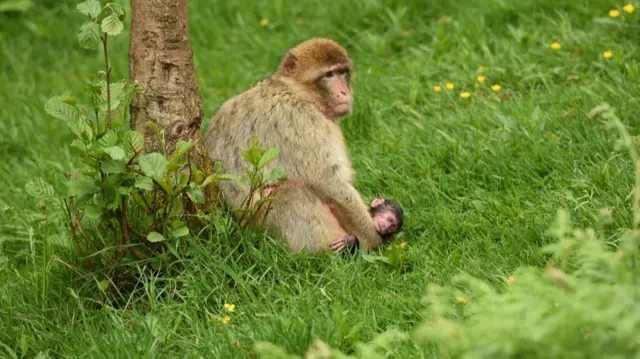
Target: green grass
(480,178)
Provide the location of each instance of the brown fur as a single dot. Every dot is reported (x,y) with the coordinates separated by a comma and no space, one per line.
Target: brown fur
(287,111)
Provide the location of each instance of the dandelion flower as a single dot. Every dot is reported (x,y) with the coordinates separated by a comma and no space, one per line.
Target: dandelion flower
(511,280)
(225,320)
(264,22)
(481,79)
(449,86)
(555,45)
(230,307)
(629,8)
(462,299)
(614,13)
(607,54)
(465,94)
(496,88)
(437,88)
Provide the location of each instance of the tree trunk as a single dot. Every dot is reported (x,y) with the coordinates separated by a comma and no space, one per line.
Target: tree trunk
(161,60)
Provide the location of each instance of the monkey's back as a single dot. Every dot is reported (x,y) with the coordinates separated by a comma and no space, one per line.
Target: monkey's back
(280,119)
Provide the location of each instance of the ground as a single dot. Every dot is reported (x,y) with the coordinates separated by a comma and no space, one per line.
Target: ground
(480,169)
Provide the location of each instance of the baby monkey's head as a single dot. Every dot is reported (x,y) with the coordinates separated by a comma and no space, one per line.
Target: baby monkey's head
(388,217)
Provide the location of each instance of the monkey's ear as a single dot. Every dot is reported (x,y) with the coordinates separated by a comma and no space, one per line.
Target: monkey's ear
(290,64)
(377,202)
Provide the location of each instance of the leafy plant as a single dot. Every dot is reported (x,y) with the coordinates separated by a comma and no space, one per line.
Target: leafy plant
(120,203)
(123,205)
(257,178)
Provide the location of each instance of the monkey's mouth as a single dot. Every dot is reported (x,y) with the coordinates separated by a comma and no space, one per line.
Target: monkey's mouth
(342,108)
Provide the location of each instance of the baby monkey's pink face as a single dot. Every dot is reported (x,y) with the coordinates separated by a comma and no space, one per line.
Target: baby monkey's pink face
(386,220)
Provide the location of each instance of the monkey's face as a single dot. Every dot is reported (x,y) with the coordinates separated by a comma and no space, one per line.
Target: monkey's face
(334,89)
(386,222)
(387,216)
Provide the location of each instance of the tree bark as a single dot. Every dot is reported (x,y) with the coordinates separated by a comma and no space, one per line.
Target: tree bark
(161,60)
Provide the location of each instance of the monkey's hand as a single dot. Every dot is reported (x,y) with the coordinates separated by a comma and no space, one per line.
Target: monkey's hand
(345,242)
(354,214)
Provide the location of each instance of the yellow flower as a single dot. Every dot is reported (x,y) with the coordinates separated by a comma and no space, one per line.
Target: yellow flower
(462,299)
(614,13)
(629,8)
(437,88)
(496,88)
(230,307)
(465,94)
(511,280)
(555,45)
(449,86)
(481,79)
(264,22)
(225,319)
(607,54)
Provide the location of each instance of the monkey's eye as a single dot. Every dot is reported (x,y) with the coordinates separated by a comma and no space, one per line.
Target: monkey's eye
(328,74)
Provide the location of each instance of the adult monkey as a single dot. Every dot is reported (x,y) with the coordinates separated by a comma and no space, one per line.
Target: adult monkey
(298,109)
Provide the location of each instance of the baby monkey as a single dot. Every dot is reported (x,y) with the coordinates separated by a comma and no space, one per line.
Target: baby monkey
(387,215)
(388,218)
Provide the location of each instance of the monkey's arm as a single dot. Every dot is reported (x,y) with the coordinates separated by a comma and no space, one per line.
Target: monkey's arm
(329,179)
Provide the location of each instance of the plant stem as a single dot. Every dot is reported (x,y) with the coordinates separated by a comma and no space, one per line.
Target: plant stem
(108,72)
(124,225)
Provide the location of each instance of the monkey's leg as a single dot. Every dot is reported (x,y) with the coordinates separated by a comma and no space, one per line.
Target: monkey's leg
(300,217)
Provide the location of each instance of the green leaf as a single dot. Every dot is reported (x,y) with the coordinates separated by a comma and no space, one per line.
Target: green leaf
(70,100)
(82,186)
(172,166)
(155,237)
(153,126)
(176,223)
(182,147)
(134,140)
(81,128)
(40,189)
(145,183)
(90,7)
(15,5)
(89,35)
(372,259)
(153,164)
(268,156)
(253,155)
(115,152)
(79,145)
(180,232)
(113,166)
(125,190)
(207,181)
(183,180)
(108,139)
(112,25)
(93,211)
(57,108)
(117,93)
(395,255)
(196,195)
(165,186)
(275,174)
